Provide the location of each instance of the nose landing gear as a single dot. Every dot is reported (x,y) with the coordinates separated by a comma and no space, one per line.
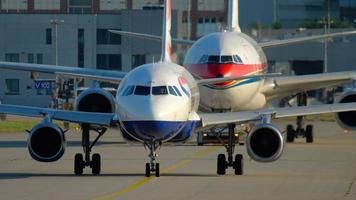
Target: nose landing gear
(152,166)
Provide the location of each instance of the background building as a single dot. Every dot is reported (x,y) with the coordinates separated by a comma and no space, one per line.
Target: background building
(28,34)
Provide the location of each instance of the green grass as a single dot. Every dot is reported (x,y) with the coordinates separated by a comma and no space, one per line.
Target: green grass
(21,125)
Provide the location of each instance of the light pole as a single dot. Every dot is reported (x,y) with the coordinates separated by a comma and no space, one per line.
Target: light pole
(56,22)
(55,95)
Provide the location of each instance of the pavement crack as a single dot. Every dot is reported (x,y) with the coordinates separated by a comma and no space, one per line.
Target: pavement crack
(350,187)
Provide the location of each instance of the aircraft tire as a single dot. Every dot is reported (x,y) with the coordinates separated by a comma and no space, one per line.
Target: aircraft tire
(239,164)
(221,164)
(96,164)
(78,164)
(157,174)
(309,134)
(290,133)
(148,170)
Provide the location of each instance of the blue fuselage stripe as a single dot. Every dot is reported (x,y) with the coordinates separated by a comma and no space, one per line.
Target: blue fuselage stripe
(159,130)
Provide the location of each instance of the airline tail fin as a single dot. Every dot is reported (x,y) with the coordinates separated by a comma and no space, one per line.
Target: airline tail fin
(166,33)
(233,17)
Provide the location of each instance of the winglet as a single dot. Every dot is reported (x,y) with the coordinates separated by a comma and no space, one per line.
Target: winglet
(166,33)
(233,16)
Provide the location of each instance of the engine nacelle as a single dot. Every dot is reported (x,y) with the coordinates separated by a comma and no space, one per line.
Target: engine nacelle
(347,120)
(95,100)
(46,142)
(265,143)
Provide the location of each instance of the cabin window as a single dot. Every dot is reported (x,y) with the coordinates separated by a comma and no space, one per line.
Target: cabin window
(159,90)
(142,90)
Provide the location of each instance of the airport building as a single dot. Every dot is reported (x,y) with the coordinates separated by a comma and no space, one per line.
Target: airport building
(75,33)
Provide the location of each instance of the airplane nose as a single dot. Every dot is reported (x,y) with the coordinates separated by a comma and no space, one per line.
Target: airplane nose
(152,118)
(221,71)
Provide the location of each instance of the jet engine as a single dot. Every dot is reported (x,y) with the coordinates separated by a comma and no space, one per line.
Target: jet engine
(46,142)
(347,120)
(265,143)
(95,100)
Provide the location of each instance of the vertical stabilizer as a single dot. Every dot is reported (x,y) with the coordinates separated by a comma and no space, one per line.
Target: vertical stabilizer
(166,33)
(233,17)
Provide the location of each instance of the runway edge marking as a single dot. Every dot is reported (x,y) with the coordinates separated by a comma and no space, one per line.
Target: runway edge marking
(141,182)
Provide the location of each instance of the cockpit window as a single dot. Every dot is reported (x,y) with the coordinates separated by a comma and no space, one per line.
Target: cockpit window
(214,59)
(237,59)
(177,91)
(226,59)
(142,90)
(128,91)
(204,59)
(159,90)
(171,91)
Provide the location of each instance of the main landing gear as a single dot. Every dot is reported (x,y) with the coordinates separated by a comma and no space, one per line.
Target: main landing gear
(222,162)
(300,131)
(95,163)
(152,166)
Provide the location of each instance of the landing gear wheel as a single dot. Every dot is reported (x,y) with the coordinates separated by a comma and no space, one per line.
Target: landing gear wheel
(309,134)
(200,139)
(96,164)
(239,164)
(221,164)
(290,134)
(157,170)
(78,164)
(148,170)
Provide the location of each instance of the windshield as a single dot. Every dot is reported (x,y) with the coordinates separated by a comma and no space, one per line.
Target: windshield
(142,90)
(159,90)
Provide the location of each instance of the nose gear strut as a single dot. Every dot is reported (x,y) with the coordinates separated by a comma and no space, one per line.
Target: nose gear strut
(152,166)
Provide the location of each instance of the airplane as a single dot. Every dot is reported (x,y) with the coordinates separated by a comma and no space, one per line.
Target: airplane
(158,103)
(231,53)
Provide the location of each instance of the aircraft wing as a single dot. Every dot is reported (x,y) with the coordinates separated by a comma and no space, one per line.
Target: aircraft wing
(105,75)
(151,37)
(287,85)
(277,43)
(105,119)
(211,119)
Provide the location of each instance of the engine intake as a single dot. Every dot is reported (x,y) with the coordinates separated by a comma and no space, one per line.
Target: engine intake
(265,143)
(347,120)
(95,100)
(46,142)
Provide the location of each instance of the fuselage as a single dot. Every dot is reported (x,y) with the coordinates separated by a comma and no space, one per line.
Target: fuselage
(228,54)
(158,102)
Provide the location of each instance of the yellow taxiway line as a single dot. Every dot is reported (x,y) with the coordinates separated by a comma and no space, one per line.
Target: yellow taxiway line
(141,182)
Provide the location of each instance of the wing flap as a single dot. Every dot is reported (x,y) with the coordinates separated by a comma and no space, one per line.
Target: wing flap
(105,119)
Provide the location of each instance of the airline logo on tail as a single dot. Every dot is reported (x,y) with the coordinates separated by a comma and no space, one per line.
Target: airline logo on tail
(166,42)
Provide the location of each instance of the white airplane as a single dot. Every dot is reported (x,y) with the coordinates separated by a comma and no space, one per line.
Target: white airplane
(157,103)
(231,53)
